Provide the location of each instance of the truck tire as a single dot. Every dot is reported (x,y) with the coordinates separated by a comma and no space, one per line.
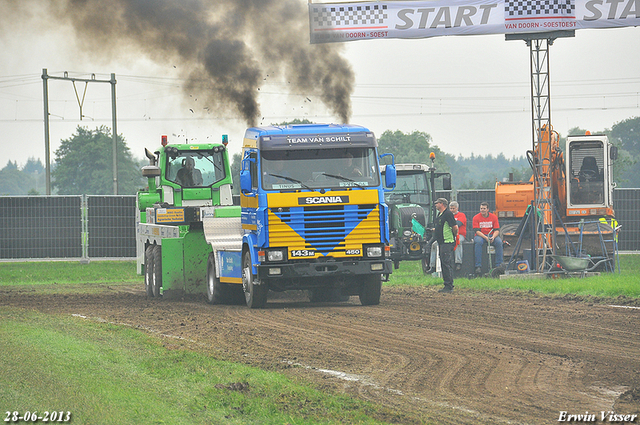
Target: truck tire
(148,270)
(255,293)
(215,291)
(370,289)
(156,281)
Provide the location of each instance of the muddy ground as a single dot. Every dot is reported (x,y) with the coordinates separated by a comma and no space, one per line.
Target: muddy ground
(464,358)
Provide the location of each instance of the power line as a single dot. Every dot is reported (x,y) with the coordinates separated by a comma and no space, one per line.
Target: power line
(355,115)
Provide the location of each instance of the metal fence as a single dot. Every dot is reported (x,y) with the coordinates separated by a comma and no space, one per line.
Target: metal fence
(69,227)
(41,227)
(83,227)
(626,204)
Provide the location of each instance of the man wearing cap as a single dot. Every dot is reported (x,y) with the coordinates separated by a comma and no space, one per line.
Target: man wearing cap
(445,233)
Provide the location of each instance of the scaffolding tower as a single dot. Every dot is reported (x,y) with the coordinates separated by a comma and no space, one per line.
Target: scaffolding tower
(542,134)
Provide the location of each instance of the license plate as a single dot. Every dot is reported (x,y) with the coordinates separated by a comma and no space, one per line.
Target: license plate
(296,253)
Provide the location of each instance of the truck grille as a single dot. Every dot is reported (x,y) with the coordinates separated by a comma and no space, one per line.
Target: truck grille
(326,228)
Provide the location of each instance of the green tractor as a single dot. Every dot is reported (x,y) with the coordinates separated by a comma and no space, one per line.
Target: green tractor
(411,212)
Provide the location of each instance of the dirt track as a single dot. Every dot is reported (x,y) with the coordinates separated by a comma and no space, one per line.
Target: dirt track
(463,358)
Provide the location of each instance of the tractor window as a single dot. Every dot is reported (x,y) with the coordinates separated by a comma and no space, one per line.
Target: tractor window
(201,168)
(410,188)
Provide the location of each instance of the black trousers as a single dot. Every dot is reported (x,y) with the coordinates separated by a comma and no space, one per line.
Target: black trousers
(446,262)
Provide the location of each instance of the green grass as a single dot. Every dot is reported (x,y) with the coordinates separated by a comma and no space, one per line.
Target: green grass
(108,374)
(610,285)
(36,273)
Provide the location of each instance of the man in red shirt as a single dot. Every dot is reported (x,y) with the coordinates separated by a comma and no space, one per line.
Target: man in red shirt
(487,230)
(461,219)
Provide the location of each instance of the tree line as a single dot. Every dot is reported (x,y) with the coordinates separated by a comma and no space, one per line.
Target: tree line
(83,162)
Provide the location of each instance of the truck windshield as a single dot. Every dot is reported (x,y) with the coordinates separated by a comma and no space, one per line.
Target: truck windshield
(319,168)
(410,188)
(200,168)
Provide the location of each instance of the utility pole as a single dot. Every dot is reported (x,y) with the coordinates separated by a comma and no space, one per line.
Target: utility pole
(114,133)
(112,81)
(46,131)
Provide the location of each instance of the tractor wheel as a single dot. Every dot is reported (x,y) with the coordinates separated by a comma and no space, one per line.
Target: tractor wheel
(255,292)
(148,271)
(370,289)
(426,268)
(156,281)
(214,287)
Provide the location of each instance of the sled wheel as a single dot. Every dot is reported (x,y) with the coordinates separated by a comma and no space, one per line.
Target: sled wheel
(156,277)
(148,271)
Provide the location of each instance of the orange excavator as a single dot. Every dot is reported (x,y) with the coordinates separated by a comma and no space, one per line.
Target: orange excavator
(579,186)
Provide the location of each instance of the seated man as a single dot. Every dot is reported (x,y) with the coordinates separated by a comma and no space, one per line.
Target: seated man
(589,171)
(487,230)
(274,173)
(349,169)
(188,175)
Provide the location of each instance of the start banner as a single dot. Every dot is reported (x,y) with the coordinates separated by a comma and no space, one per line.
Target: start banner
(339,22)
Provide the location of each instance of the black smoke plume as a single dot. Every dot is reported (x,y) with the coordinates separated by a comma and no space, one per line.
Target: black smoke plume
(225,47)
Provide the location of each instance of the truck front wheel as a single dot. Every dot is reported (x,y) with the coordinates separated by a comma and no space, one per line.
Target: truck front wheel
(370,289)
(255,293)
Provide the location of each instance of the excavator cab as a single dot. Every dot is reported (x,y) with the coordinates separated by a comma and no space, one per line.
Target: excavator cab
(587,165)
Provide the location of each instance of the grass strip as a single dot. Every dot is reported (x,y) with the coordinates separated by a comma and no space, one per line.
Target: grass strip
(17,273)
(610,285)
(624,284)
(106,374)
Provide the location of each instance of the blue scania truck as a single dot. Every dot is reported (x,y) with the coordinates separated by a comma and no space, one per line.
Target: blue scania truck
(312,217)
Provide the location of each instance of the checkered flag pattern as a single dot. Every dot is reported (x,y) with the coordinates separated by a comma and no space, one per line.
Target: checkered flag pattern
(539,8)
(337,16)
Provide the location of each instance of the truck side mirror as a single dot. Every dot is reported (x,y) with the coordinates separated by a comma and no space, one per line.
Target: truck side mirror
(446,182)
(246,185)
(245,181)
(613,154)
(390,176)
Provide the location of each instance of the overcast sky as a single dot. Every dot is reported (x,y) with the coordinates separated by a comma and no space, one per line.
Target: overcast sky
(470,93)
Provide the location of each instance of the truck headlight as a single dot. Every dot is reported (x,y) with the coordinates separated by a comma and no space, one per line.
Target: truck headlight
(275,255)
(374,251)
